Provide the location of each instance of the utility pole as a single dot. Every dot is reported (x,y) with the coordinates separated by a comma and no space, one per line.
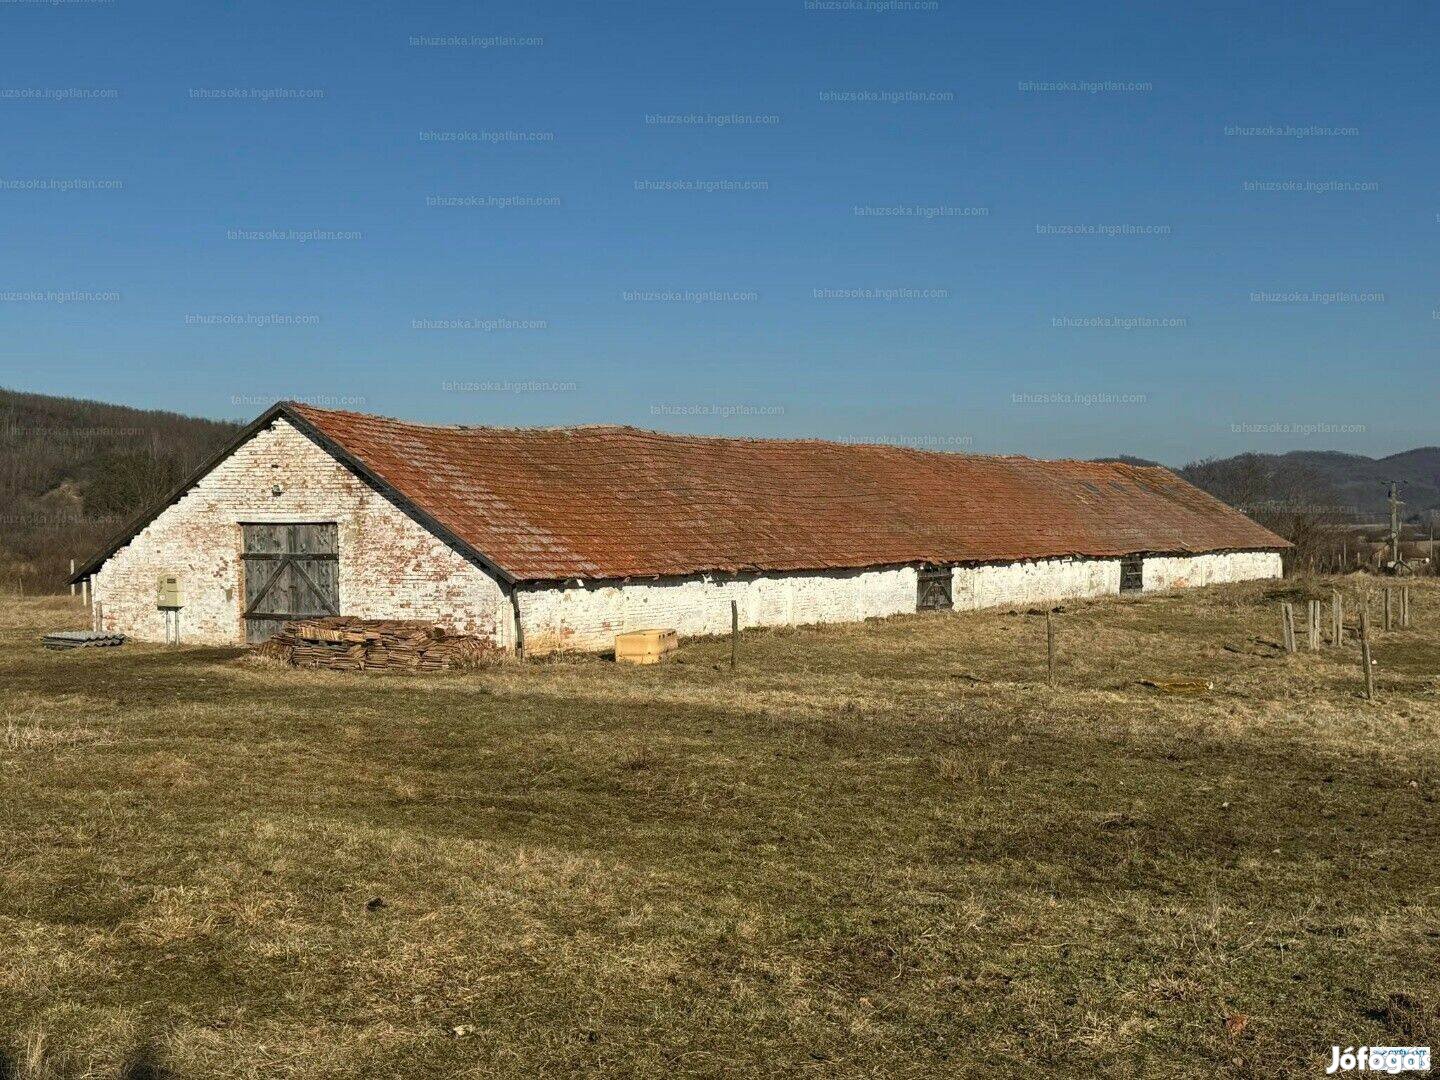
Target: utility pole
(1395,505)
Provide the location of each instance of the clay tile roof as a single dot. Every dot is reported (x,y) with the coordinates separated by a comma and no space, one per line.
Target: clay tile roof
(615,502)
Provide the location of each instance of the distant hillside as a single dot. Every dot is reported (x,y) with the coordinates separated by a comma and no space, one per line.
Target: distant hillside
(73,472)
(1355,481)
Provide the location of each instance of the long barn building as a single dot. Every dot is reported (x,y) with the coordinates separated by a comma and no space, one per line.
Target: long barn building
(546,539)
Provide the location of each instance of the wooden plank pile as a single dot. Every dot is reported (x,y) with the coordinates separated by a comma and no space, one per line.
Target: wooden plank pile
(346,643)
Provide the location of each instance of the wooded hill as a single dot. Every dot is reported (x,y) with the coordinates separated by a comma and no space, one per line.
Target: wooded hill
(1361,482)
(73,472)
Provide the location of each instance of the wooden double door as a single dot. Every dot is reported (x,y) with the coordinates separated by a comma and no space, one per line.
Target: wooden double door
(292,571)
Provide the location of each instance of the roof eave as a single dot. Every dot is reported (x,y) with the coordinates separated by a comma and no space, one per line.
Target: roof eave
(551,580)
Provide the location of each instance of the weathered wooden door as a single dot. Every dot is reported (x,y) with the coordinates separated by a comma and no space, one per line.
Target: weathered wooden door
(1132,574)
(291,572)
(933,589)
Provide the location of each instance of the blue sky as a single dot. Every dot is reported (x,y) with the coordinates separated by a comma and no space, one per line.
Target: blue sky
(1055,229)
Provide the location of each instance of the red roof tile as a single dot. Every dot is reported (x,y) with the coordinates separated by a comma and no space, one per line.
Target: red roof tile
(613,502)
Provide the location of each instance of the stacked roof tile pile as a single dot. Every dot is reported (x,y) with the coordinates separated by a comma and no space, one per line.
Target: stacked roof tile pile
(343,643)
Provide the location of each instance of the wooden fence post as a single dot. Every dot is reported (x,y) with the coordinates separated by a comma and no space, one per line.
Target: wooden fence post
(1405,607)
(1287,626)
(1365,655)
(734,635)
(1050,646)
(1312,611)
(1337,618)
(72,574)
(1388,591)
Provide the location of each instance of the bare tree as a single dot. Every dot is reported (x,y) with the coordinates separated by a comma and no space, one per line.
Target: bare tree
(1287,497)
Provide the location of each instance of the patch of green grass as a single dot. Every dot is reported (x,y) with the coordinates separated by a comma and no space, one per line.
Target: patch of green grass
(876,850)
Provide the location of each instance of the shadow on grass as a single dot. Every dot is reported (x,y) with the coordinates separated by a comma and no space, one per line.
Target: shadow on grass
(140,676)
(142,1065)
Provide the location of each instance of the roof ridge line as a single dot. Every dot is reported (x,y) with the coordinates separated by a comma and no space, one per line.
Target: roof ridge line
(777,440)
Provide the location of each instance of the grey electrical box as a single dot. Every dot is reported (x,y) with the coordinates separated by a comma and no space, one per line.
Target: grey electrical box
(167,592)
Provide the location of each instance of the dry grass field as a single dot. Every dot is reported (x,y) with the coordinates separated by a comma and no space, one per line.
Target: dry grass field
(884,850)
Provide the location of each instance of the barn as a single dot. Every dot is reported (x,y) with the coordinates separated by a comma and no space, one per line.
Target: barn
(560,538)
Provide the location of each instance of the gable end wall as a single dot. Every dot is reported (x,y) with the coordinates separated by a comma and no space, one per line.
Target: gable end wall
(390,566)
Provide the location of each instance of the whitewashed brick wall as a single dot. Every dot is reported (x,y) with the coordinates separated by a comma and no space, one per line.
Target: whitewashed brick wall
(1049,580)
(587,617)
(1166,572)
(390,567)
(1040,581)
